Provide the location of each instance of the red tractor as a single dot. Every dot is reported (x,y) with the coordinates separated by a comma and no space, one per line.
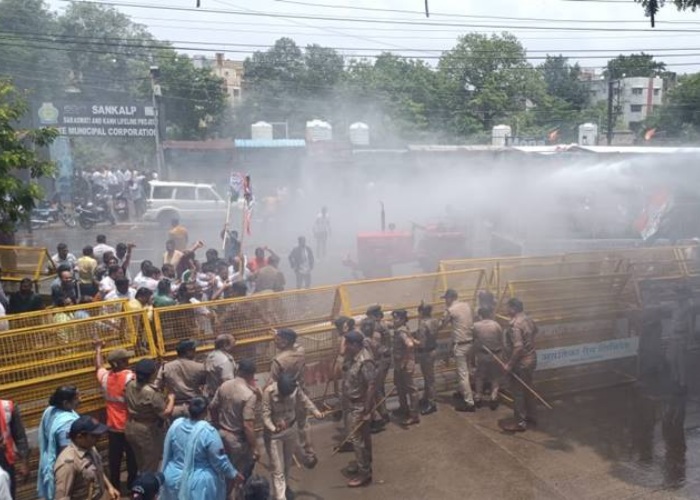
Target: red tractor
(378,251)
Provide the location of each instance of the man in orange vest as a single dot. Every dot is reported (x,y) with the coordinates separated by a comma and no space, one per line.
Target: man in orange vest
(14,447)
(113,383)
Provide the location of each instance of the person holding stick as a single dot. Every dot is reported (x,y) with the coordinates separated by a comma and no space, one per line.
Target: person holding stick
(521,364)
(358,392)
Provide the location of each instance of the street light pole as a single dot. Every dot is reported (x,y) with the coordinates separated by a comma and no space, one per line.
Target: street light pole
(610,112)
(156,94)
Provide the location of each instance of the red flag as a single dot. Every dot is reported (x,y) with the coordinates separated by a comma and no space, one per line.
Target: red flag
(553,136)
(649,134)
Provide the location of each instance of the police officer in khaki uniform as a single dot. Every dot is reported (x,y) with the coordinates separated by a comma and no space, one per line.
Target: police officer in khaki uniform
(488,333)
(458,316)
(523,362)
(382,358)
(425,340)
(219,364)
(183,377)
(282,402)
(78,472)
(233,413)
(291,359)
(148,410)
(404,366)
(359,378)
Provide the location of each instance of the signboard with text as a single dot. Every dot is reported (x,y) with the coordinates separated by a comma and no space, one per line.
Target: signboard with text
(135,120)
(580,354)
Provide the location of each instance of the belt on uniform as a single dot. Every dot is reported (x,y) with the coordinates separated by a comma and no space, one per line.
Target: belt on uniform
(464,342)
(145,420)
(423,351)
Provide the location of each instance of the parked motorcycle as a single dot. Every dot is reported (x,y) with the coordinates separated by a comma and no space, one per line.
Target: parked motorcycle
(49,212)
(95,212)
(121,206)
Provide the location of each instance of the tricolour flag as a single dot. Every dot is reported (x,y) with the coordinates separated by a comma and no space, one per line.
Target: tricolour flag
(235,186)
(248,202)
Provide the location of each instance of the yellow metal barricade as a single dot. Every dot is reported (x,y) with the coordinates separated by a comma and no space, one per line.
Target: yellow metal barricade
(246,318)
(409,291)
(38,359)
(18,262)
(569,297)
(47,316)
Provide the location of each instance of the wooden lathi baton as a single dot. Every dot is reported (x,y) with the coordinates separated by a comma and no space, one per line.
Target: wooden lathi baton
(359,426)
(516,377)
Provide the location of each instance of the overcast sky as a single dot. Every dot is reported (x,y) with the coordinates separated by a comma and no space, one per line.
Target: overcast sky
(264,22)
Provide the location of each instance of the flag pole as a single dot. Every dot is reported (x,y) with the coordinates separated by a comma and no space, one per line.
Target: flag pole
(247,194)
(228,218)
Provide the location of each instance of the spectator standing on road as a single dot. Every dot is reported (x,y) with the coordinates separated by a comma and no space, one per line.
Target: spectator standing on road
(178,233)
(322,230)
(301,261)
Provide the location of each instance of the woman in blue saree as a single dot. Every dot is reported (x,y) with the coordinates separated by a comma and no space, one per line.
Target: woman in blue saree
(195,464)
(53,435)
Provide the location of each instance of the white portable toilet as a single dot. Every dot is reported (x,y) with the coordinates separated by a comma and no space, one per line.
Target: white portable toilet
(359,134)
(318,130)
(588,134)
(261,131)
(500,135)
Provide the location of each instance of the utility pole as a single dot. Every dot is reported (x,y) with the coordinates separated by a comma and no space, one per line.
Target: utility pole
(156,94)
(610,112)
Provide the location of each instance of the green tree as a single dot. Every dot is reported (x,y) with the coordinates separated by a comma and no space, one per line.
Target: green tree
(563,81)
(286,83)
(652,7)
(109,55)
(679,118)
(19,164)
(397,97)
(195,99)
(486,80)
(28,56)
(634,65)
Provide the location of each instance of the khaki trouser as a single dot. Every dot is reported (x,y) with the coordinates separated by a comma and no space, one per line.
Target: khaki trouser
(426,360)
(488,371)
(238,452)
(281,448)
(361,440)
(463,358)
(406,387)
(383,365)
(146,439)
(304,430)
(524,403)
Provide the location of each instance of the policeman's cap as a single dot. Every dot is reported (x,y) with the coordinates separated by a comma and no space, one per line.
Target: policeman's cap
(287,334)
(375,311)
(87,425)
(147,486)
(354,337)
(119,354)
(399,313)
(146,367)
(246,367)
(186,345)
(450,293)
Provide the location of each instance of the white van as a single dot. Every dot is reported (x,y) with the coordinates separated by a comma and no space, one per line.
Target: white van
(186,201)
